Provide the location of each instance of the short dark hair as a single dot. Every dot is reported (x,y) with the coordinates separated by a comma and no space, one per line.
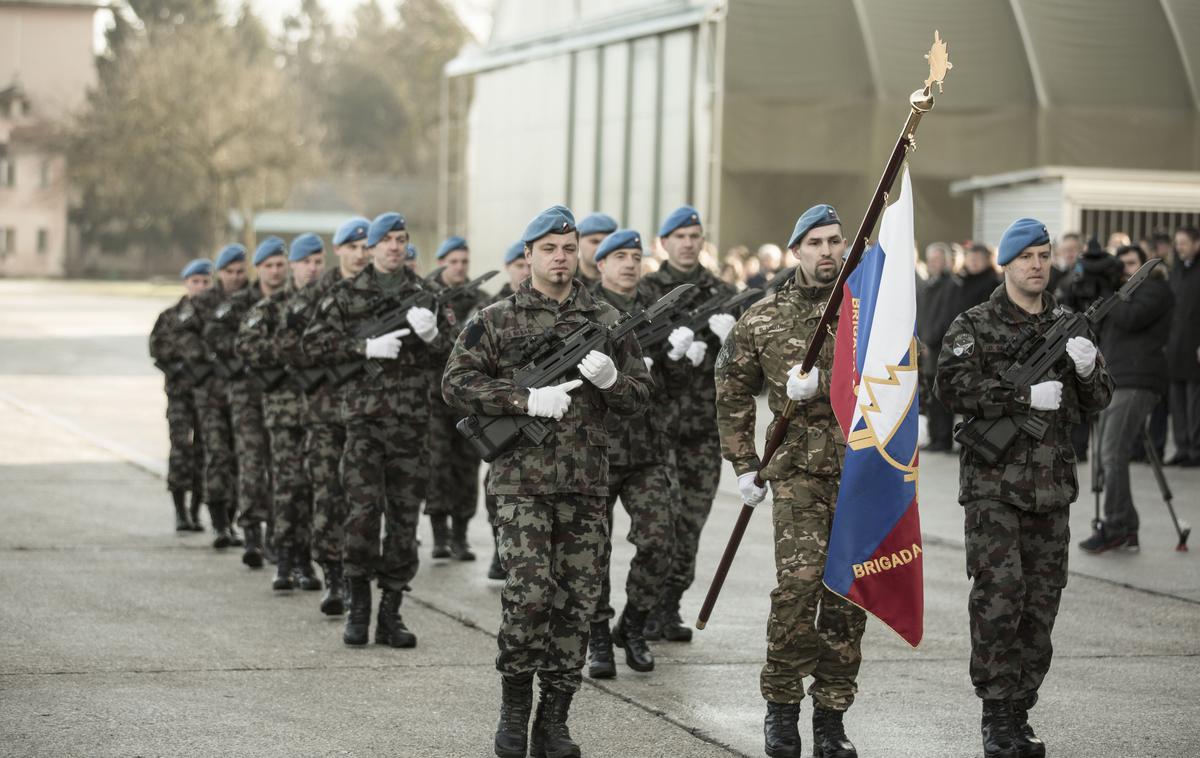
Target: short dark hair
(1141,254)
(979,247)
(1160,237)
(1190,231)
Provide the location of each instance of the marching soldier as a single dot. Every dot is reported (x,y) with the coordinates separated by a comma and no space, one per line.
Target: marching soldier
(260,345)
(697,448)
(593,228)
(551,510)
(323,415)
(453,493)
(387,422)
(185,466)
(1017,510)
(811,632)
(211,392)
(641,472)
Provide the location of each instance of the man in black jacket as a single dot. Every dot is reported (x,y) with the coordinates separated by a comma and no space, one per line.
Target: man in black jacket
(1183,350)
(937,297)
(1134,334)
(978,279)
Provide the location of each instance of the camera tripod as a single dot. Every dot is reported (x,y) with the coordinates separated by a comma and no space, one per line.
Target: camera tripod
(1182,530)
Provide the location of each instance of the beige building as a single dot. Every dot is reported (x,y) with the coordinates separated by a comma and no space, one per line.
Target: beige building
(46,67)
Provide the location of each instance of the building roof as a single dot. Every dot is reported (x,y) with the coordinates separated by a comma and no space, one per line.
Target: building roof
(1043,173)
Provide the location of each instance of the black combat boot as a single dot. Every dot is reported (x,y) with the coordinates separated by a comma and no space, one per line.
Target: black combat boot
(1028,744)
(283,568)
(182,523)
(220,524)
(459,549)
(829,736)
(629,634)
(253,555)
(600,652)
(269,547)
(673,628)
(389,627)
(358,621)
(997,728)
(781,731)
(551,738)
(441,535)
(194,512)
(333,602)
(652,631)
(516,701)
(302,564)
(234,539)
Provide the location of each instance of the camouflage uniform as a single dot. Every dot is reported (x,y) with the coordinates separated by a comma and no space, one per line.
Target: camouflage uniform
(185,466)
(697,447)
(811,631)
(641,473)
(212,405)
(323,418)
(258,343)
(550,498)
(1017,511)
(387,422)
(453,464)
(489,500)
(250,442)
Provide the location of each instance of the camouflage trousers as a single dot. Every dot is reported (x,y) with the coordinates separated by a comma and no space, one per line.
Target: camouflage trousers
(324,448)
(650,495)
(811,631)
(698,466)
(220,465)
(453,466)
(382,479)
(253,449)
(291,494)
(552,548)
(185,465)
(1018,563)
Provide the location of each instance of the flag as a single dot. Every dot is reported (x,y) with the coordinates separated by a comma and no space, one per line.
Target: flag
(875,553)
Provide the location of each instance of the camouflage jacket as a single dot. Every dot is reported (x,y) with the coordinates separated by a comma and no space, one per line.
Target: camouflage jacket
(196,336)
(478,379)
(167,351)
(647,438)
(403,387)
(978,347)
(258,344)
(324,404)
(696,406)
(770,338)
(458,309)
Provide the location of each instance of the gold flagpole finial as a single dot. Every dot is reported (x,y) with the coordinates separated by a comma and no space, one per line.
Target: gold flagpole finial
(939,63)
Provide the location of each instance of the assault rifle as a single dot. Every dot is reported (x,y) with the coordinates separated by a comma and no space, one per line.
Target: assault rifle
(554,360)
(652,334)
(466,288)
(990,438)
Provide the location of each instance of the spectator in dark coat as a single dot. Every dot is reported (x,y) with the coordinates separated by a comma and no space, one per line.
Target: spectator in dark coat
(1066,253)
(1183,350)
(979,278)
(1133,338)
(937,298)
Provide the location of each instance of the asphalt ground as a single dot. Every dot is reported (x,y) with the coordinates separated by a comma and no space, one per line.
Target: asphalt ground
(119,637)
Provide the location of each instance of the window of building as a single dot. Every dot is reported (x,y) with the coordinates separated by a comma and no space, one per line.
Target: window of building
(43,241)
(8,241)
(8,168)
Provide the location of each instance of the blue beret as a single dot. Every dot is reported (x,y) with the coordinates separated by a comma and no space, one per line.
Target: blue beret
(821,214)
(597,223)
(351,230)
(514,251)
(452,243)
(198,267)
(557,219)
(304,246)
(621,239)
(410,252)
(270,246)
(684,215)
(384,223)
(230,254)
(1022,233)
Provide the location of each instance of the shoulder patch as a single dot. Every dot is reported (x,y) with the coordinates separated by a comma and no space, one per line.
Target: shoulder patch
(728,354)
(473,333)
(964,345)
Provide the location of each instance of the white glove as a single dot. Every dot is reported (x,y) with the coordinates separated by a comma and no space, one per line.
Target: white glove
(802,388)
(721,324)
(1083,352)
(649,362)
(696,352)
(1046,396)
(922,431)
(681,338)
(598,369)
(752,494)
(552,402)
(423,323)
(387,345)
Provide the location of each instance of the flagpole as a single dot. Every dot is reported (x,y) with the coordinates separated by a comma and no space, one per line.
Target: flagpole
(920,103)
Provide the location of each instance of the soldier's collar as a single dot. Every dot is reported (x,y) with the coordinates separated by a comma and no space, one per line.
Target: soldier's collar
(579,298)
(1010,312)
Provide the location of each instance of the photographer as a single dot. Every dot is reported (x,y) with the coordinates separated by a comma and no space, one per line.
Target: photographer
(1132,337)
